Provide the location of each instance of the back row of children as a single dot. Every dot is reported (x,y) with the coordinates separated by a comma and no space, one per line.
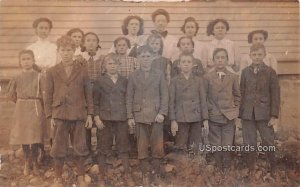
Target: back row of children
(116,90)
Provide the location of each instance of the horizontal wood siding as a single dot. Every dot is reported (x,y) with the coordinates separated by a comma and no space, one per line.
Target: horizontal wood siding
(280,19)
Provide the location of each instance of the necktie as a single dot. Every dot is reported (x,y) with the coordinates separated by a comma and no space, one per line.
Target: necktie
(256,69)
(221,75)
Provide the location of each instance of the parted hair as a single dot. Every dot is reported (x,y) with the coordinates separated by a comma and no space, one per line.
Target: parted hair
(190,19)
(160,12)
(211,25)
(217,50)
(83,48)
(30,52)
(185,37)
(126,22)
(39,20)
(263,32)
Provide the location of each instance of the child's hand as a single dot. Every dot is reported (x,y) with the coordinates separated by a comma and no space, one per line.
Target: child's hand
(205,128)
(174,127)
(52,122)
(272,122)
(99,123)
(159,118)
(131,123)
(89,122)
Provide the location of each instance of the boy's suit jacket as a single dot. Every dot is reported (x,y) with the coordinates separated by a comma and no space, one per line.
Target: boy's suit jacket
(68,98)
(260,93)
(110,98)
(146,97)
(223,96)
(187,99)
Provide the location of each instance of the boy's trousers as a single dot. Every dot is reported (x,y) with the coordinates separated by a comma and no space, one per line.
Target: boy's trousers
(189,134)
(221,135)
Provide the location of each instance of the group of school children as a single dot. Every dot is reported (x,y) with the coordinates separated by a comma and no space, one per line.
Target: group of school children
(143,85)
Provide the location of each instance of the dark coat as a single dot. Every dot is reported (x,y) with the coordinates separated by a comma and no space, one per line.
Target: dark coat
(187,99)
(223,97)
(68,98)
(110,98)
(146,97)
(260,93)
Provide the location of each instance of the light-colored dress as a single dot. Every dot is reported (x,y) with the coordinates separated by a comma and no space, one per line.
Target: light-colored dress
(29,124)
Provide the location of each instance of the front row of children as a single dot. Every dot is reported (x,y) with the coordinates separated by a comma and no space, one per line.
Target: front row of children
(142,102)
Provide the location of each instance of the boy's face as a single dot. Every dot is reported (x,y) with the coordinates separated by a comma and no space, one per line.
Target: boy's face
(257,56)
(121,47)
(66,53)
(145,58)
(111,66)
(190,28)
(186,64)
(258,38)
(26,61)
(220,60)
(133,27)
(186,45)
(43,30)
(77,38)
(219,30)
(160,23)
(91,43)
(155,45)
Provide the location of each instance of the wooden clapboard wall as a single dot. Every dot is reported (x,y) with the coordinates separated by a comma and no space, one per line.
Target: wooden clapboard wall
(105,18)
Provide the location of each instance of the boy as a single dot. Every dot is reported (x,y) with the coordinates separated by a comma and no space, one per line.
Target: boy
(188,106)
(161,19)
(110,115)
(260,104)
(147,106)
(68,103)
(223,99)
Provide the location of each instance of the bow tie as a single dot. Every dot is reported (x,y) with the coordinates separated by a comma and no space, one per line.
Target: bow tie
(221,74)
(163,34)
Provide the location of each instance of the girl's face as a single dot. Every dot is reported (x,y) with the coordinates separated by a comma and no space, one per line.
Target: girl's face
(155,44)
(186,64)
(91,43)
(121,47)
(133,27)
(145,59)
(66,53)
(220,59)
(26,61)
(43,30)
(258,38)
(190,29)
(257,56)
(160,23)
(111,66)
(186,45)
(219,30)
(77,38)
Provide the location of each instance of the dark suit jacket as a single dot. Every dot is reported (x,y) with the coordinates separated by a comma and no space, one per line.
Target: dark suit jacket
(110,98)
(187,99)
(68,98)
(260,93)
(146,97)
(223,97)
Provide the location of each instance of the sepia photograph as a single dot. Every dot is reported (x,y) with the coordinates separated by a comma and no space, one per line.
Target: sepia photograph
(149,93)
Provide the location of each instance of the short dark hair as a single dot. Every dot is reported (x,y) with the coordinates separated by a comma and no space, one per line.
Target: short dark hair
(39,20)
(126,22)
(256,47)
(83,49)
(185,37)
(190,19)
(65,41)
(30,52)
(160,12)
(122,38)
(186,54)
(263,32)
(211,25)
(144,49)
(156,36)
(74,30)
(219,50)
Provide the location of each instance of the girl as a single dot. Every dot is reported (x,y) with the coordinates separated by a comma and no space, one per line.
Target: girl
(190,28)
(259,37)
(159,62)
(133,30)
(44,50)
(91,52)
(25,91)
(186,46)
(77,36)
(218,28)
